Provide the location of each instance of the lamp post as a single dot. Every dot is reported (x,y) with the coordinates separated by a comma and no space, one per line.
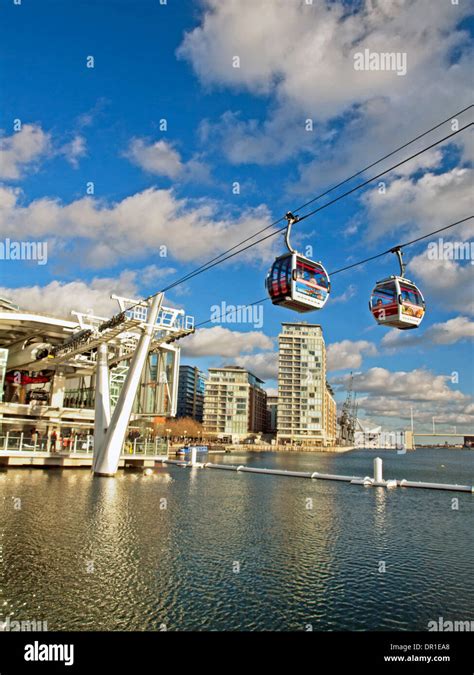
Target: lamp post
(434,427)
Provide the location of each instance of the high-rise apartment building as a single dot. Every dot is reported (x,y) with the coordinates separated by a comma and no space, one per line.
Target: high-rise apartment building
(272,405)
(330,416)
(191,387)
(234,403)
(306,407)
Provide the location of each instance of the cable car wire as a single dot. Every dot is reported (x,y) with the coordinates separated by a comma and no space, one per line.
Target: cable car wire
(365,260)
(408,243)
(328,191)
(311,213)
(382,173)
(219,259)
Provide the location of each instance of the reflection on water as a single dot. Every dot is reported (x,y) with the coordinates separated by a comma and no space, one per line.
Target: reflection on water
(142,552)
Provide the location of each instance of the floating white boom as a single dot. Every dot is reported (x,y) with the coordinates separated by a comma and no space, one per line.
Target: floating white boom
(376,481)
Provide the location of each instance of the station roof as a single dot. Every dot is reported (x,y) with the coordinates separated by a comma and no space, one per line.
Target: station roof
(22,325)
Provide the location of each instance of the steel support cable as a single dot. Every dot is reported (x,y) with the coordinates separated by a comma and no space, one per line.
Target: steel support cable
(328,191)
(365,260)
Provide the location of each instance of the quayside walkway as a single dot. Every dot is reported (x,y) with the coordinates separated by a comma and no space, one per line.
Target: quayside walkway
(15,450)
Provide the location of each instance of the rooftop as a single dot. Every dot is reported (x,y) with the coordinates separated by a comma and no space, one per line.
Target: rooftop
(238,369)
(302,324)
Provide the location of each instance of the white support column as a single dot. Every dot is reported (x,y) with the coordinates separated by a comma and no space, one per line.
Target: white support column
(173,382)
(109,456)
(58,387)
(378,470)
(102,401)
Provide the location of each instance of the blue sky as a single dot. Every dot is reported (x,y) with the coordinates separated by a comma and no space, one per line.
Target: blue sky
(245,125)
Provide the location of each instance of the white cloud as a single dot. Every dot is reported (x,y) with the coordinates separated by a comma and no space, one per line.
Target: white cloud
(263,365)
(105,234)
(447,333)
(423,204)
(389,396)
(271,391)
(88,118)
(60,298)
(302,56)
(74,150)
(348,294)
(444,283)
(219,341)
(378,127)
(414,385)
(309,57)
(152,273)
(428,160)
(249,141)
(22,150)
(162,159)
(348,354)
(158,158)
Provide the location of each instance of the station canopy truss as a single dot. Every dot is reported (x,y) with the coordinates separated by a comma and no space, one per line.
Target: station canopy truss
(75,346)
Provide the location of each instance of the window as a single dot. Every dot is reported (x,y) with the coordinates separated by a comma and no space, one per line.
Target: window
(411,295)
(383,295)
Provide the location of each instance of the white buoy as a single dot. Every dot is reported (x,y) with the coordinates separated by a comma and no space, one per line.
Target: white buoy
(378,471)
(147,472)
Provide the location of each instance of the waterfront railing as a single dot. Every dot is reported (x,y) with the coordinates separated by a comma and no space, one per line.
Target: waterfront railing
(21,442)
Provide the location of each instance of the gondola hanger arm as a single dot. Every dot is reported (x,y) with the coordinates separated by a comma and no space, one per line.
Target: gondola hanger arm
(291,219)
(399,253)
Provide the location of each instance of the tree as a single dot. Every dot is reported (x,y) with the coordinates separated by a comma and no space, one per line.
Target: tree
(184,427)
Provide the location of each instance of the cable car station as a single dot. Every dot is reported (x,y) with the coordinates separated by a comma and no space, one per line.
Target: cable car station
(68,382)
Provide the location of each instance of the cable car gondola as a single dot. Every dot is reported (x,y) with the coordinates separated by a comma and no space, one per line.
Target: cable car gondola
(295,281)
(396,301)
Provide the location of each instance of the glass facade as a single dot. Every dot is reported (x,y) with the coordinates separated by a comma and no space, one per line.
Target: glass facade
(191,388)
